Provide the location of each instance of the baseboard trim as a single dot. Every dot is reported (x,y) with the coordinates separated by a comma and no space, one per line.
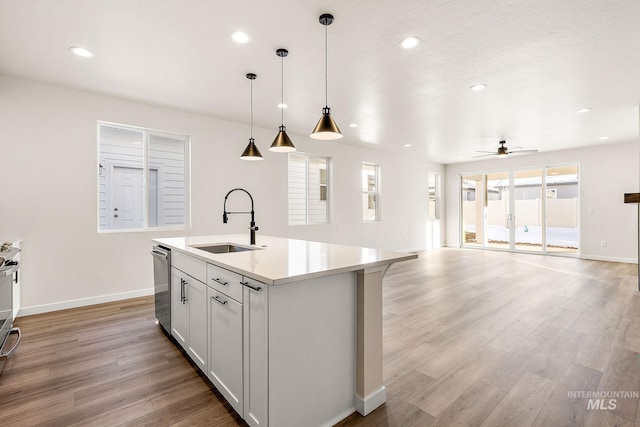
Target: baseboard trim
(581,256)
(371,402)
(46,308)
(335,420)
(609,258)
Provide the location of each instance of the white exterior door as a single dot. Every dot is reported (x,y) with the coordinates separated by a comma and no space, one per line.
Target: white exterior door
(127,210)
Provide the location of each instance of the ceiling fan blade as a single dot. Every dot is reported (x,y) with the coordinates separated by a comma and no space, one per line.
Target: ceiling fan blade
(482,151)
(485,155)
(523,151)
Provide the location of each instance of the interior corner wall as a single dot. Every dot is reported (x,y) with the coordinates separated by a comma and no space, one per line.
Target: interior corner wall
(48,136)
(607,171)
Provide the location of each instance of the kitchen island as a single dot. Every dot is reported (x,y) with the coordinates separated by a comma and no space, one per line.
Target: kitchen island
(289,331)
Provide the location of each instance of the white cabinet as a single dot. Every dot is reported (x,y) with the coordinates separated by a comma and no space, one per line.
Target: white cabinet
(238,342)
(189,315)
(225,347)
(223,326)
(197,302)
(179,310)
(255,352)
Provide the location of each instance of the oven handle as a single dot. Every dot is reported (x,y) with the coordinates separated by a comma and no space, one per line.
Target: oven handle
(8,353)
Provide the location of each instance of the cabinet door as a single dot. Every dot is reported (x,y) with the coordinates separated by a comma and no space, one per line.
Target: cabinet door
(197,307)
(225,347)
(179,309)
(255,352)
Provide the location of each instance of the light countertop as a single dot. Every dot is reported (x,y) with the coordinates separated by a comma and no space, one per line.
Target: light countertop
(280,260)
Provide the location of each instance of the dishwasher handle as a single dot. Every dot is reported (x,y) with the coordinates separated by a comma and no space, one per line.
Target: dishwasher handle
(158,252)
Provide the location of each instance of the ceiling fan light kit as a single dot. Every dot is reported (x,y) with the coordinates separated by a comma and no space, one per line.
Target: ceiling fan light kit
(502,150)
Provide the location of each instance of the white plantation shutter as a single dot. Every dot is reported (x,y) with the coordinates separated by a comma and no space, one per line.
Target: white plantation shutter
(308,189)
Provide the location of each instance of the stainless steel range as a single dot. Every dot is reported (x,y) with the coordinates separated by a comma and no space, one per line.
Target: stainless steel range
(9,270)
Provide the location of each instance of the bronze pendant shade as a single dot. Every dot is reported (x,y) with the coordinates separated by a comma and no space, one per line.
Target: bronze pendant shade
(282,143)
(251,152)
(326,129)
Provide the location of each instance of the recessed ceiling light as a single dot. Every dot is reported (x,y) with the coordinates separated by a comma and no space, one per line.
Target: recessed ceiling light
(353,125)
(410,42)
(479,86)
(407,145)
(583,110)
(240,37)
(604,138)
(283,106)
(81,51)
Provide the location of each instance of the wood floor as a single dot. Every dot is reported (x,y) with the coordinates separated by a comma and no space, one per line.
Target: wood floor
(472,338)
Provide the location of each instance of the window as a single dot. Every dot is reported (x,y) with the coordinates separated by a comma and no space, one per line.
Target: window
(308,189)
(142,178)
(370,192)
(434,196)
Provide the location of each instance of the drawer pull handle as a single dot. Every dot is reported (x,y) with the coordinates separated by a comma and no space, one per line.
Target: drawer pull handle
(255,288)
(220,281)
(219,300)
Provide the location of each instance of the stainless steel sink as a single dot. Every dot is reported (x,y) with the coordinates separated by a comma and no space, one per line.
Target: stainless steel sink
(224,248)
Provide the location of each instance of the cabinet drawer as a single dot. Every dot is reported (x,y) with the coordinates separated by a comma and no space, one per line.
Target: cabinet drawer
(225,281)
(190,265)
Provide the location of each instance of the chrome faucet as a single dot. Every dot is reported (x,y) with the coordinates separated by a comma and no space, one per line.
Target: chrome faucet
(252,225)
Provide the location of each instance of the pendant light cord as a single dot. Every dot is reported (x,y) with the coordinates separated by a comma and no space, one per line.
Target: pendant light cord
(251,113)
(282,89)
(326,66)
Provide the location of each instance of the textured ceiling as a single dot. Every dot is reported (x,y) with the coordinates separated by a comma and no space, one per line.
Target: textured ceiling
(541,60)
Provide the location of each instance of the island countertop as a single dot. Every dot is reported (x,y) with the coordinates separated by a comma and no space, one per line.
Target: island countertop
(278,260)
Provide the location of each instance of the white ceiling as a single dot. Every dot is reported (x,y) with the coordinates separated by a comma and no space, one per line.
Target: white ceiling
(541,60)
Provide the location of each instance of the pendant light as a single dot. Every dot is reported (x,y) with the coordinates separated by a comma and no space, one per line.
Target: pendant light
(251,152)
(326,129)
(282,143)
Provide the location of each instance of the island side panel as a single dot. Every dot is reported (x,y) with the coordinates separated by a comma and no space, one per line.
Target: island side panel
(255,353)
(312,345)
(370,390)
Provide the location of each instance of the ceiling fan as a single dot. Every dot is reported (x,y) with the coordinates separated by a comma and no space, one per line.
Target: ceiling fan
(503,151)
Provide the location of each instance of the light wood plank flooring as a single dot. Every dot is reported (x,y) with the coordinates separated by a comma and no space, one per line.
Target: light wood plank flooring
(472,338)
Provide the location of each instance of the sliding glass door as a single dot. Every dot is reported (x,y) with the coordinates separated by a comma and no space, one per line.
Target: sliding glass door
(529,210)
(472,217)
(528,221)
(498,196)
(562,209)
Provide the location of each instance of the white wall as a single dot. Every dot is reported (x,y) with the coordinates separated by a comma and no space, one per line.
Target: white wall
(49,175)
(606,173)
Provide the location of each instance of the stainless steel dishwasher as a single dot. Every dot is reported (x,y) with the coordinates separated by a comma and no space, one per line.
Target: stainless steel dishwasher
(162,285)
